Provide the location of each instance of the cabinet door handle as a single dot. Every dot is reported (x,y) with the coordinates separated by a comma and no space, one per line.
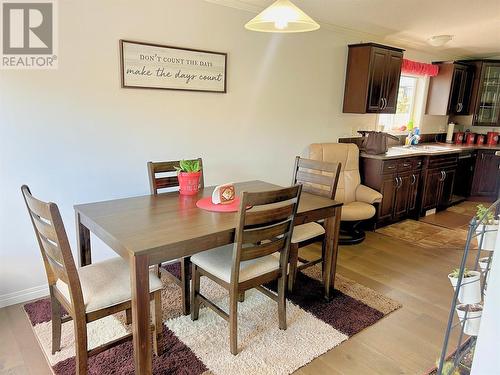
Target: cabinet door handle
(413,179)
(385,103)
(443,176)
(406,164)
(381,103)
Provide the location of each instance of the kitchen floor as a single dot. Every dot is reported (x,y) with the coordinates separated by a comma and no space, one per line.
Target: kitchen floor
(407,341)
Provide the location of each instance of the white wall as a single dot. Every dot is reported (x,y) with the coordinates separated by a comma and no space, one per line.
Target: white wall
(486,359)
(73,135)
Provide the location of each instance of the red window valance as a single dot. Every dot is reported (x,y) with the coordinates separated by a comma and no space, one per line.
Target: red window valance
(419,69)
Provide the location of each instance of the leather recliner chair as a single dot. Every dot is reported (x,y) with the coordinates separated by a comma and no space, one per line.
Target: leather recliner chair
(358,199)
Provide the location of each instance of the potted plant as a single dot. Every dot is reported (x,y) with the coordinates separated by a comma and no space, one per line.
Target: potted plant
(470,288)
(487,228)
(473,320)
(189,173)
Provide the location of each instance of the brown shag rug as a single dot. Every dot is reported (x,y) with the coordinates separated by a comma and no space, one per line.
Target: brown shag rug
(314,327)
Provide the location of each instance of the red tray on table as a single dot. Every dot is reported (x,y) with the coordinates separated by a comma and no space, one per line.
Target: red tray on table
(206,204)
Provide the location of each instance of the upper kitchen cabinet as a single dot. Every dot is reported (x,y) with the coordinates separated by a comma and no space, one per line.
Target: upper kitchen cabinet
(372,78)
(450,90)
(485,98)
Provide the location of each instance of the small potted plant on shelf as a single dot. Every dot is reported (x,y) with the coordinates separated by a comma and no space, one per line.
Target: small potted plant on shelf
(473,320)
(487,228)
(189,173)
(470,288)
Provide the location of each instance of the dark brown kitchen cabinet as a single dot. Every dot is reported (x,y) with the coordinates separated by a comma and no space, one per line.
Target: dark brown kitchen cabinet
(372,78)
(398,181)
(485,97)
(486,180)
(450,91)
(446,190)
(402,196)
(438,181)
(388,190)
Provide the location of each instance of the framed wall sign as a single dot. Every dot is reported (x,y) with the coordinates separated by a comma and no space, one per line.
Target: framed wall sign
(154,66)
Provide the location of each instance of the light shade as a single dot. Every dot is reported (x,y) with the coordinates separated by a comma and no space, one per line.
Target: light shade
(439,40)
(282,17)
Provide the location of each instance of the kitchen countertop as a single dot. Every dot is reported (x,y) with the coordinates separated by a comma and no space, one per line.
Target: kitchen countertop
(425,149)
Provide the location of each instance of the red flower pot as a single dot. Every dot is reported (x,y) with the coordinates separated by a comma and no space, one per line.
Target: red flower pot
(189,183)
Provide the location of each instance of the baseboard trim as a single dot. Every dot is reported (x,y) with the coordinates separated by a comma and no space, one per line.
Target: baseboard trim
(24,295)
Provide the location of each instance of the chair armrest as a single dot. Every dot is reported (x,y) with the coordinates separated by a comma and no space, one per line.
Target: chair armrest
(367,195)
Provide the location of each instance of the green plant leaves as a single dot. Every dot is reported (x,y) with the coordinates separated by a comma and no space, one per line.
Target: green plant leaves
(189,166)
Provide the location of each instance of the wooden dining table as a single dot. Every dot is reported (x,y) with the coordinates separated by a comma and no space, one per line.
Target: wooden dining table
(151,229)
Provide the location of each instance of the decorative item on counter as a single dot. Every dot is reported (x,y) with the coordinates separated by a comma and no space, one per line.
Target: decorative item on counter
(416,136)
(413,135)
(480,139)
(375,143)
(449,133)
(459,138)
(470,138)
(492,138)
(224,194)
(189,173)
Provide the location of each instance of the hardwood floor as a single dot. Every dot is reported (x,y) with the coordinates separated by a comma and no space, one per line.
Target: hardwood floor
(407,341)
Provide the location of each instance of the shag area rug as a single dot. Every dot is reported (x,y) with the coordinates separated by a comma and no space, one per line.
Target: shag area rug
(202,347)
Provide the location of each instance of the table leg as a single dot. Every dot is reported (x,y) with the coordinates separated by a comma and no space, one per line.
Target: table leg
(185,264)
(332,229)
(83,242)
(139,284)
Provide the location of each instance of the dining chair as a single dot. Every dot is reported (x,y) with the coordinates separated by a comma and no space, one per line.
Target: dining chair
(87,294)
(259,255)
(318,178)
(163,175)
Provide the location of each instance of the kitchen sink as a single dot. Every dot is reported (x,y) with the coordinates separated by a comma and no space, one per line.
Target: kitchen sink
(427,148)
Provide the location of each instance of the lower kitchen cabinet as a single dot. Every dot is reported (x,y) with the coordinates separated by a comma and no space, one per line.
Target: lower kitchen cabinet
(439,174)
(413,185)
(486,182)
(398,181)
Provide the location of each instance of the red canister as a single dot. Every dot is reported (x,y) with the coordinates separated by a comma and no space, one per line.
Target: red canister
(459,138)
(480,139)
(470,138)
(492,138)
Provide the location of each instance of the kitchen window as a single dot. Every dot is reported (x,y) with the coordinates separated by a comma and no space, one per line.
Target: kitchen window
(405,107)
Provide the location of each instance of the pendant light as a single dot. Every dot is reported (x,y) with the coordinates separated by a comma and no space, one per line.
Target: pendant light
(282,17)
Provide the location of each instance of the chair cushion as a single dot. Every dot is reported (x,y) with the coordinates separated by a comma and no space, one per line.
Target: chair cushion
(106,284)
(307,231)
(219,261)
(356,211)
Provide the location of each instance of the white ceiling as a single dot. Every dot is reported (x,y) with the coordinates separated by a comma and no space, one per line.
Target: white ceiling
(475,24)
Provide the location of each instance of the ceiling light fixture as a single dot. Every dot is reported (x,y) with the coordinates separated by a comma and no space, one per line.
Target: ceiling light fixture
(439,40)
(282,17)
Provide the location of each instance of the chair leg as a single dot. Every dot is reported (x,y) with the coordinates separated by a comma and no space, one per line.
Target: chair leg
(282,301)
(185,285)
(241,297)
(294,258)
(56,324)
(157,319)
(158,270)
(195,290)
(80,326)
(128,316)
(233,322)
(323,248)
